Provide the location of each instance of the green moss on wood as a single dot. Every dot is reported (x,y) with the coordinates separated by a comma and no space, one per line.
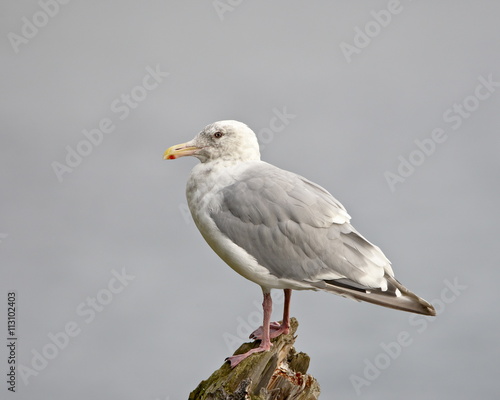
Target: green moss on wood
(278,374)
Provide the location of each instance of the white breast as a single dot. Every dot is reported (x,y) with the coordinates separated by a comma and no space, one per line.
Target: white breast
(203,193)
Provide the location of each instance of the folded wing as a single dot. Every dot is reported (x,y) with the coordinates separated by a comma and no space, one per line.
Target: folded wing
(299,231)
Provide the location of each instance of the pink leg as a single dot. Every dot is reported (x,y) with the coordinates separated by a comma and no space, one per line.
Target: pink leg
(275,328)
(265,344)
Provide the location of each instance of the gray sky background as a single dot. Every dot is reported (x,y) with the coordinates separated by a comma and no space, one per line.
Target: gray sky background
(122,208)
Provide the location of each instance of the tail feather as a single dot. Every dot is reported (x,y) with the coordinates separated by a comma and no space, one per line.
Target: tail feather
(395,296)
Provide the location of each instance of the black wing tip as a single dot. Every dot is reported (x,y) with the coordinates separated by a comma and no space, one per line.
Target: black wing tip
(404,301)
(424,307)
(428,308)
(431,311)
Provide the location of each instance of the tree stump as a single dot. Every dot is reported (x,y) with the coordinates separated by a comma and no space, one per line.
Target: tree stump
(278,374)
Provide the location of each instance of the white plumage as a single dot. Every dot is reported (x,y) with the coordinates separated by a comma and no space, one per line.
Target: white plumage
(279,229)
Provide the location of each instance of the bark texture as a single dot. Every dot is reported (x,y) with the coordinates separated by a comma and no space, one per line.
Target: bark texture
(278,374)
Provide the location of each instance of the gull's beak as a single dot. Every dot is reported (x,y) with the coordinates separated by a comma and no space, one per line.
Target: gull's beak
(180,150)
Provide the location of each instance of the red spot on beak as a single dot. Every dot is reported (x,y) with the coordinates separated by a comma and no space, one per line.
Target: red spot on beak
(171,157)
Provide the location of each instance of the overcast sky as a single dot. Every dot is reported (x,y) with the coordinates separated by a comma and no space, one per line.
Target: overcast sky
(393,106)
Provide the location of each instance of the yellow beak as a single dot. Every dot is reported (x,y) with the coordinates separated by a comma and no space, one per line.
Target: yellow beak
(180,150)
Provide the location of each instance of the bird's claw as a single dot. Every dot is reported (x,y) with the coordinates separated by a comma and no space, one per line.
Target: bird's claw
(275,329)
(236,359)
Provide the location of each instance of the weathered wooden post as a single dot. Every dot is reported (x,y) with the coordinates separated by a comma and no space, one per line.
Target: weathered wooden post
(278,374)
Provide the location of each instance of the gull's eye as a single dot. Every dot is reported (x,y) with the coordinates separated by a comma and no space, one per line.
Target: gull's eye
(218,135)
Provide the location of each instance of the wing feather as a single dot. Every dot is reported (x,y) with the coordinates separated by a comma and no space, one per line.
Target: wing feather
(296,229)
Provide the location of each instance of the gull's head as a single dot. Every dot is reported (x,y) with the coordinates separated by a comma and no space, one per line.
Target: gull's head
(222,140)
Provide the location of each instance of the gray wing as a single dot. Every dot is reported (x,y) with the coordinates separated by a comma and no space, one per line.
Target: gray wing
(299,231)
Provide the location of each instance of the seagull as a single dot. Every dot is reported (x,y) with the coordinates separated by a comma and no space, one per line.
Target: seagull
(280,230)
